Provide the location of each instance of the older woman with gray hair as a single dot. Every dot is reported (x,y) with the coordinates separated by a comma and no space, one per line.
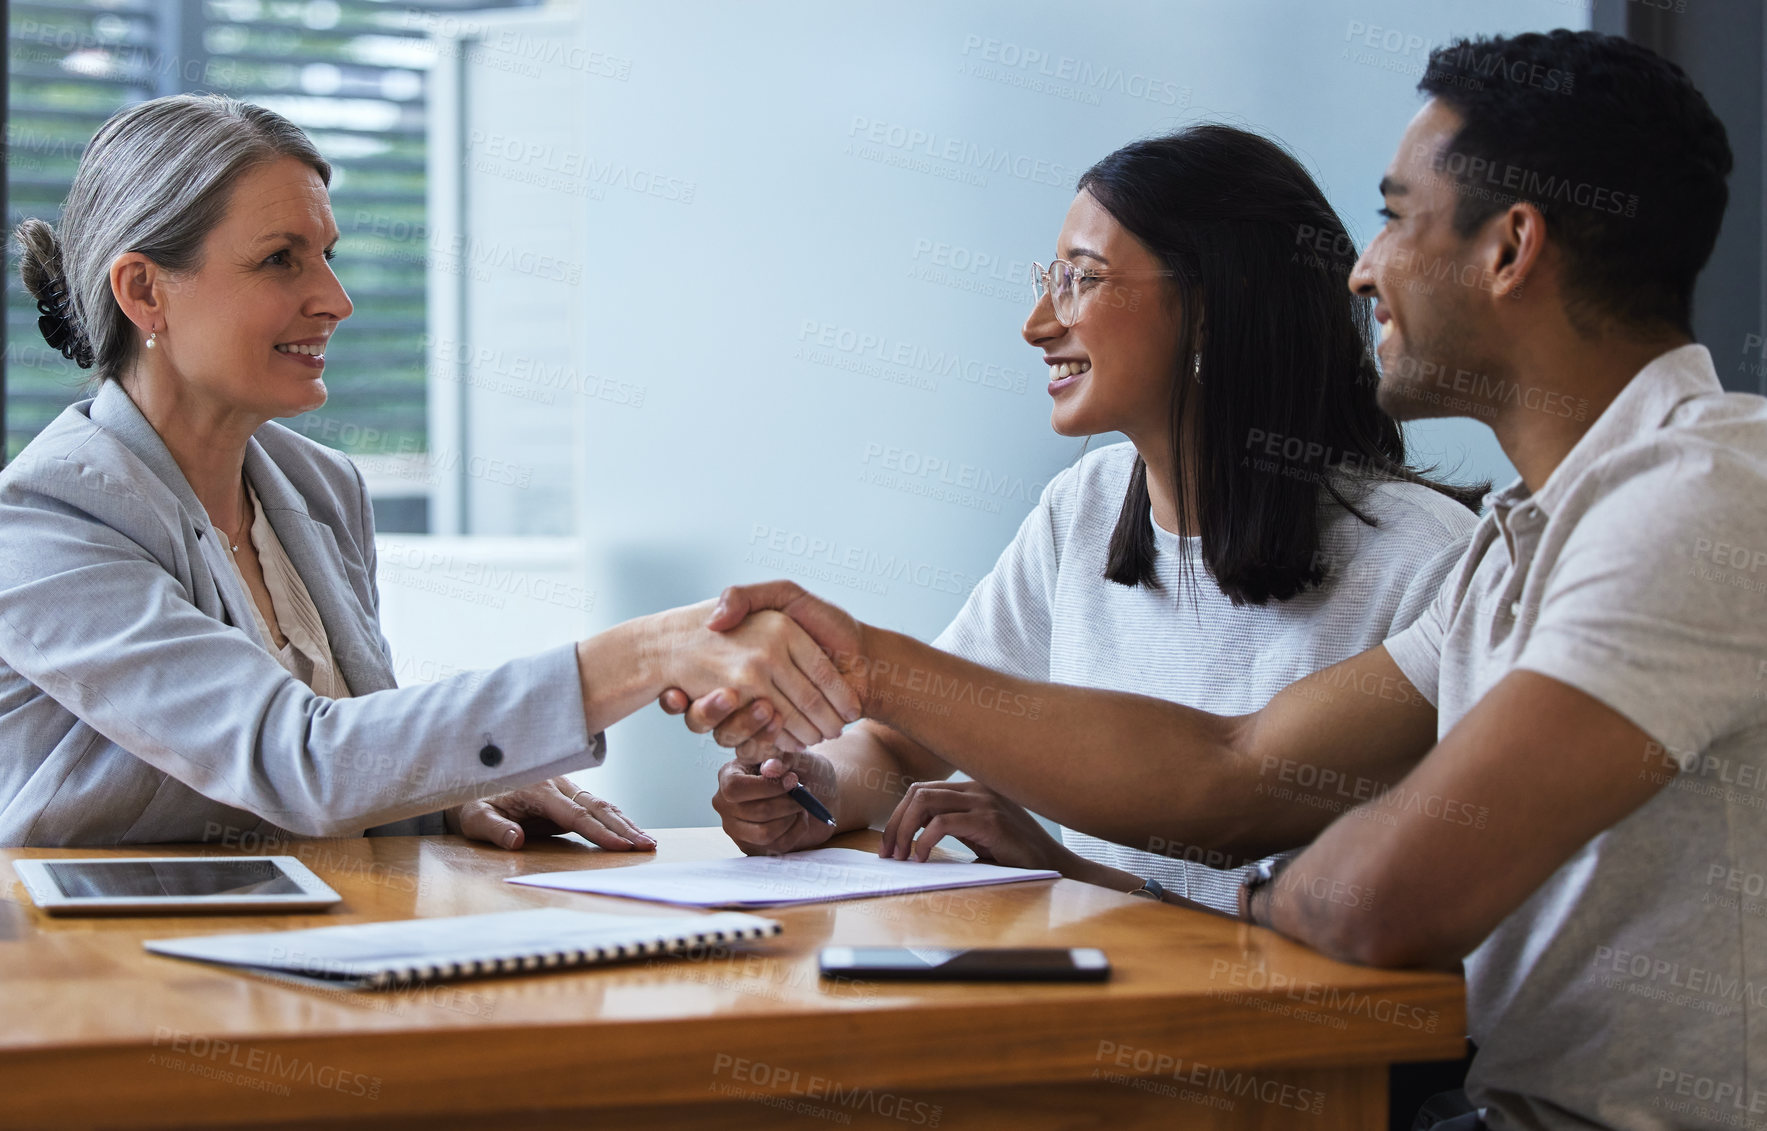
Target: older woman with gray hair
(190,646)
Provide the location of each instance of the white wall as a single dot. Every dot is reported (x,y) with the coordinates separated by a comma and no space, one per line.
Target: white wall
(774,204)
(449,605)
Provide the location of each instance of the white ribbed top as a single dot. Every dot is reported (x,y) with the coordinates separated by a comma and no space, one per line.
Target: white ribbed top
(1046,612)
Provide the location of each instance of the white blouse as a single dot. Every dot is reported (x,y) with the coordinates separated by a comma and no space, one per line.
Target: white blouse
(307,653)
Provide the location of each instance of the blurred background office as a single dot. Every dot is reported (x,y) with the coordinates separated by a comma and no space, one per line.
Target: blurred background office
(654,296)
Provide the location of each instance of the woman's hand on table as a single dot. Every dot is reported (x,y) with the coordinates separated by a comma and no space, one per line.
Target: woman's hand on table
(547,809)
(998,831)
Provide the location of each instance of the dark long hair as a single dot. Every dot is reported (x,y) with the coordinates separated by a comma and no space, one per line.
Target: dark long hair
(1286,400)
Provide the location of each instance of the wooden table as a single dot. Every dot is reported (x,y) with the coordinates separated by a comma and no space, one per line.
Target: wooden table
(1205,1024)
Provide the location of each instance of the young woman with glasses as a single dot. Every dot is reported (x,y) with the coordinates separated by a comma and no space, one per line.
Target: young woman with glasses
(1261,522)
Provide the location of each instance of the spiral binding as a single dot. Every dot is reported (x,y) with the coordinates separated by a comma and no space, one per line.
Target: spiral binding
(521,963)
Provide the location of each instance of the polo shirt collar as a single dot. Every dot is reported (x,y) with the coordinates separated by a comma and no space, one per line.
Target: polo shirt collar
(1643,406)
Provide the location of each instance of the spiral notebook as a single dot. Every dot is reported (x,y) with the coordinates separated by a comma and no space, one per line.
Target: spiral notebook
(382,955)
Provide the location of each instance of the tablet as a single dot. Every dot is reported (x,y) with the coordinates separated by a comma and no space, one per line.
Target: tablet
(173,885)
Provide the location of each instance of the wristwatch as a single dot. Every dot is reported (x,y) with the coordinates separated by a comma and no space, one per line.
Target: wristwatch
(1150,889)
(1259,877)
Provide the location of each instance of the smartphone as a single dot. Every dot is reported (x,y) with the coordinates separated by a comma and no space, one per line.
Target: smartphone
(978,964)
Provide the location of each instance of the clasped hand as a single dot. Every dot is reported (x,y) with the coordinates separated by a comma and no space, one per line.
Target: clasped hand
(723,656)
(753,786)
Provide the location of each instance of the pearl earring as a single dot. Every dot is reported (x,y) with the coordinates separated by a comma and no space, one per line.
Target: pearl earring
(1196,368)
(151,337)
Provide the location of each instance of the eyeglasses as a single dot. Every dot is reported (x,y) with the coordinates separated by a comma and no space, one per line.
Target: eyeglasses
(1067,285)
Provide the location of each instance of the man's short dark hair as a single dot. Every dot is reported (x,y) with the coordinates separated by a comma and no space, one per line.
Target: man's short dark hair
(1612,142)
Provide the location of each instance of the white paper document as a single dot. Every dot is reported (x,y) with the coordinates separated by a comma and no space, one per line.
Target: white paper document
(770,881)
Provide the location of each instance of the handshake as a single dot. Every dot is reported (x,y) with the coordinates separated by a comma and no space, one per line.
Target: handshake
(771,668)
(884,770)
(770,740)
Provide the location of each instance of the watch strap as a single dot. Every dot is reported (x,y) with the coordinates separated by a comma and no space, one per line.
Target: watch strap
(1150,889)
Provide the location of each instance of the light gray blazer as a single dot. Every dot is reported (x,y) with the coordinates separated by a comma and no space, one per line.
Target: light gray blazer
(132,709)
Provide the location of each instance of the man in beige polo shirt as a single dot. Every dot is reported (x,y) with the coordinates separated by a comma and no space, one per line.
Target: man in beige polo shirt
(1558,774)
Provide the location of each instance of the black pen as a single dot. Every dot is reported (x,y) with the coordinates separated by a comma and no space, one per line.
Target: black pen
(811,806)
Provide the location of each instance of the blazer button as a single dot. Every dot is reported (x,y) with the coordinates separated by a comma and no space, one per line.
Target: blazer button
(491,756)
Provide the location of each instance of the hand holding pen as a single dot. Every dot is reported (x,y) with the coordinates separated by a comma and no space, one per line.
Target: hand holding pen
(773,802)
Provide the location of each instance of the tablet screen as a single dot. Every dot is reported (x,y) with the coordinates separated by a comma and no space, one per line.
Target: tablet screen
(137,879)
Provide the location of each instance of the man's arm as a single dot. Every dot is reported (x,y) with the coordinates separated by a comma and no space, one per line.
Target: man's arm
(1136,770)
(1148,773)
(1640,656)
(1420,876)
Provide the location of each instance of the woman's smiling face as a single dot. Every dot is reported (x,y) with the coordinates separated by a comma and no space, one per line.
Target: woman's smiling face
(247,330)
(1112,370)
